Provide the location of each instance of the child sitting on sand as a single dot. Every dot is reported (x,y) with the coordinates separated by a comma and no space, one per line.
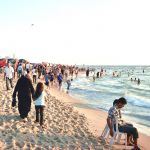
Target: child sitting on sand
(39,98)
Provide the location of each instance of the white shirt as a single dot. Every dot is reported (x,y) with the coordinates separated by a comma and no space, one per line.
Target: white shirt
(40,101)
(33,72)
(9,71)
(27,66)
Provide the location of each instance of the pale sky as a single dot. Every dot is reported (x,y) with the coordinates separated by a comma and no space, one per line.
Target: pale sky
(102,32)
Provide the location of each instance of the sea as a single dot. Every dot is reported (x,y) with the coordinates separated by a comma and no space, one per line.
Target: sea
(101,93)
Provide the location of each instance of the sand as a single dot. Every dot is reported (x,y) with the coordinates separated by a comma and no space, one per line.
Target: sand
(96,118)
(69,124)
(64,127)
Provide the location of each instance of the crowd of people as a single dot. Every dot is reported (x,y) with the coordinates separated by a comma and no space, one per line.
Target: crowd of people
(54,75)
(138,81)
(51,74)
(102,73)
(28,75)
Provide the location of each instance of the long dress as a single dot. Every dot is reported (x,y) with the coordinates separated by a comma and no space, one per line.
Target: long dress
(24,88)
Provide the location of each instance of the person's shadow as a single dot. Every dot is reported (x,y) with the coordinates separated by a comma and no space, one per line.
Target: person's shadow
(8,118)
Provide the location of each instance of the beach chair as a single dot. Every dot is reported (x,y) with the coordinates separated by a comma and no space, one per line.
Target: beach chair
(105,133)
(116,137)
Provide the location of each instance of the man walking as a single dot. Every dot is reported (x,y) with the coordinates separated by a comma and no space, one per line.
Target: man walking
(8,75)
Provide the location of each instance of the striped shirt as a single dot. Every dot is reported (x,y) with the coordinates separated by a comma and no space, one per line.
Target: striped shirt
(114,113)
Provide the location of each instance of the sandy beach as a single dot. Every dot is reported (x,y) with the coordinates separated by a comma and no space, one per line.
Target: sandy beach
(69,124)
(96,119)
(64,127)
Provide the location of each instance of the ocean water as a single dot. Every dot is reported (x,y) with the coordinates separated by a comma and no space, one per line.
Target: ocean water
(101,93)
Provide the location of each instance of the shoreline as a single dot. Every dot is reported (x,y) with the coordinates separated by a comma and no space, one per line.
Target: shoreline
(97,123)
(146,132)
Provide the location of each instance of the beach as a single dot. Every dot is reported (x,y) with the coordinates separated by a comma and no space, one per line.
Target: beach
(97,119)
(64,127)
(74,75)
(69,124)
(101,93)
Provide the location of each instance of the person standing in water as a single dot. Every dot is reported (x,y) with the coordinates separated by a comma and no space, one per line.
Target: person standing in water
(68,84)
(87,72)
(97,75)
(138,81)
(94,77)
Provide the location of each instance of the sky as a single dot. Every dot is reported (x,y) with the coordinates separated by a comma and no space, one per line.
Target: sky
(96,32)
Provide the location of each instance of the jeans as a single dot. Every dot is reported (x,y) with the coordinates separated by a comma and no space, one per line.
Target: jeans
(39,114)
(129,129)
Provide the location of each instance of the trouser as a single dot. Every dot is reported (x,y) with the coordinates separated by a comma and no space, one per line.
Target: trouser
(51,81)
(60,84)
(39,75)
(14,74)
(129,129)
(34,78)
(7,83)
(68,86)
(39,114)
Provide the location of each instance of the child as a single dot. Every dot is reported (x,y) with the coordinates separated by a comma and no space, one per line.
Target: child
(39,98)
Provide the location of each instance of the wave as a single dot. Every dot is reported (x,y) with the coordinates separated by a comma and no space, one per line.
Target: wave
(138,101)
(99,92)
